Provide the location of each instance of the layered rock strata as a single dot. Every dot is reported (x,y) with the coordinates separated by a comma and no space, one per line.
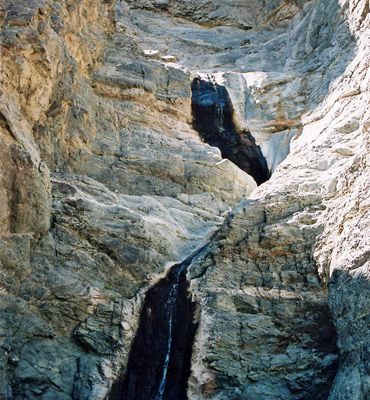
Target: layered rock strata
(105,184)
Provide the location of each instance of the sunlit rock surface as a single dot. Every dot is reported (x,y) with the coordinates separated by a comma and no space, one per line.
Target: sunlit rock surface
(105,184)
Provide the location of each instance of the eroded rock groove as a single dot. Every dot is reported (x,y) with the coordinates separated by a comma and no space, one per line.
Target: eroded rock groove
(213,119)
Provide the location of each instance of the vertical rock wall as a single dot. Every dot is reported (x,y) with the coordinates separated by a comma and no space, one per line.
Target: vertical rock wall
(104,184)
(285,285)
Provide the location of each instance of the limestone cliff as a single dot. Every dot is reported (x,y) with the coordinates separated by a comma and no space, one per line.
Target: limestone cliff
(106,183)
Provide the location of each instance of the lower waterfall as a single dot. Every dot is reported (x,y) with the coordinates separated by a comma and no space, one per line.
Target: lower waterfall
(160,357)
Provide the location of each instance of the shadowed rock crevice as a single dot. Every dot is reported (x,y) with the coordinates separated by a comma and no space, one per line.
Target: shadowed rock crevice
(213,119)
(160,357)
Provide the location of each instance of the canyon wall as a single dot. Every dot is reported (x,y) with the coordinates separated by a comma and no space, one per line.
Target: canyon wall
(106,183)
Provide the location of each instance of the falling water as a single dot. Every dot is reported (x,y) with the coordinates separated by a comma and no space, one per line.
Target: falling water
(162,385)
(171,303)
(159,361)
(160,357)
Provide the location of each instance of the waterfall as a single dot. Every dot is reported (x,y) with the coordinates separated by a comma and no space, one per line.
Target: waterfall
(159,361)
(171,303)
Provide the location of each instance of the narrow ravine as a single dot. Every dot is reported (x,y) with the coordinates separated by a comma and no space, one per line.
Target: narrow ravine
(159,363)
(160,357)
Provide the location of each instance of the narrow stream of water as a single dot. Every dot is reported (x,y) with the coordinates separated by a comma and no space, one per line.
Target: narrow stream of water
(160,357)
(171,302)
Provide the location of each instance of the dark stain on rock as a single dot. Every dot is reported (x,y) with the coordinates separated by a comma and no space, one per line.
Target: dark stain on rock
(213,120)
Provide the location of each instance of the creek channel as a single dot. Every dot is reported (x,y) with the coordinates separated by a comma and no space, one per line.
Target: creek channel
(160,357)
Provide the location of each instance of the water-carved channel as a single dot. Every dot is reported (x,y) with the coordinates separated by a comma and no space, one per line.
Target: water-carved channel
(213,120)
(160,357)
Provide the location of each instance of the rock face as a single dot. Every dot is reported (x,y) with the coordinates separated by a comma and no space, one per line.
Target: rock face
(105,185)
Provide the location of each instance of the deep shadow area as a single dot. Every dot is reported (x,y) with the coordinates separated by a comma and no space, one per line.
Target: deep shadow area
(323,343)
(160,357)
(213,120)
(349,299)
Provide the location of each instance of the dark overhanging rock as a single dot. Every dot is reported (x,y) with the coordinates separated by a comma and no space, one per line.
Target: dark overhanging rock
(213,120)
